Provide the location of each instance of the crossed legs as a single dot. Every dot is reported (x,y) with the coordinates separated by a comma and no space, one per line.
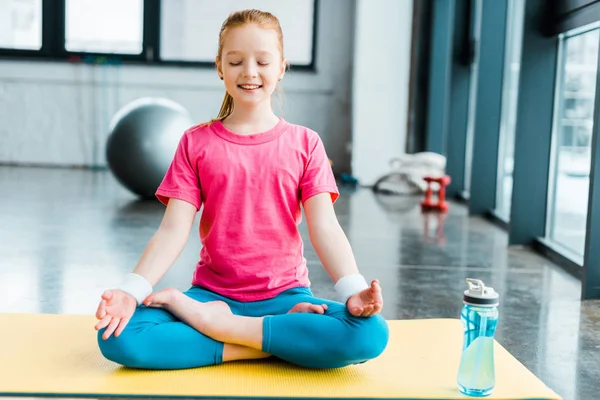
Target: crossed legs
(198,328)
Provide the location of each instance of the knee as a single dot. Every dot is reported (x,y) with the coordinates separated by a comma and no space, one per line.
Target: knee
(121,350)
(370,339)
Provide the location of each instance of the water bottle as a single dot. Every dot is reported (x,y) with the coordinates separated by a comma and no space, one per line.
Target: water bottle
(479,315)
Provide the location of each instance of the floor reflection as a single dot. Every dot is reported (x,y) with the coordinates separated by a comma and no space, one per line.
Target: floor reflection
(68,234)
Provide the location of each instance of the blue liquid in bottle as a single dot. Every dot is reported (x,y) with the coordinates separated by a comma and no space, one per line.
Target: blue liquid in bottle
(476,373)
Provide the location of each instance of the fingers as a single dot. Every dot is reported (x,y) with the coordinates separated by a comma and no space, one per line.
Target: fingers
(375,287)
(101,312)
(114,323)
(357,311)
(372,293)
(122,326)
(103,323)
(377,299)
(111,312)
(378,308)
(107,295)
(367,310)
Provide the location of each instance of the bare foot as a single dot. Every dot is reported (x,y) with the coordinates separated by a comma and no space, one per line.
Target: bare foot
(162,299)
(308,308)
(211,318)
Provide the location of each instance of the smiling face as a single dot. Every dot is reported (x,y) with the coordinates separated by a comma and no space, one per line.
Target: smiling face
(250,63)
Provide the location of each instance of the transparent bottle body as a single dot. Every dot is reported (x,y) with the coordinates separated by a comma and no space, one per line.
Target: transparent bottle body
(476,374)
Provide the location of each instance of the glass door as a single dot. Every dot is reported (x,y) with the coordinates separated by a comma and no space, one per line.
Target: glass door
(508,119)
(571,142)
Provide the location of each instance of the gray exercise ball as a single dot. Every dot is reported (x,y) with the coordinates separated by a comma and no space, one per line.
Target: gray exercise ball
(142,142)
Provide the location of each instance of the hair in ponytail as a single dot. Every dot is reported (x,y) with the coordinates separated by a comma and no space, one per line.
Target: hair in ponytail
(238,18)
(226,107)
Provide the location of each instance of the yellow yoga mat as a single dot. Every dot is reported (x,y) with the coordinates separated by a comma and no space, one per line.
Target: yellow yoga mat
(57,355)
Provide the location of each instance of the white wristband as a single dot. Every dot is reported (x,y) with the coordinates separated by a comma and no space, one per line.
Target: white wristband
(137,286)
(349,285)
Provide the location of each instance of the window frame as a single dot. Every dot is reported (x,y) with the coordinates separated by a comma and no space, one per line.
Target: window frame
(550,225)
(53,41)
(49,25)
(568,15)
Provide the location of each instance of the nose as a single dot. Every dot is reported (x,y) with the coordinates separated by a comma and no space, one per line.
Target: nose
(250,70)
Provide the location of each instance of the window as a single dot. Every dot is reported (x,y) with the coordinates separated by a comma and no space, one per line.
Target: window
(189,28)
(183,32)
(107,26)
(512,65)
(573,123)
(21,24)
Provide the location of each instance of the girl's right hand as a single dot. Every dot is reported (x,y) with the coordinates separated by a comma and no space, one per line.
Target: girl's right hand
(114,312)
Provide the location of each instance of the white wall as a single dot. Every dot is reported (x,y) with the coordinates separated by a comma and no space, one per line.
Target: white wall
(380,85)
(58,113)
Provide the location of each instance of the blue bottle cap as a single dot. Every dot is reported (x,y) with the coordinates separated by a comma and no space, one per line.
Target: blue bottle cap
(480,295)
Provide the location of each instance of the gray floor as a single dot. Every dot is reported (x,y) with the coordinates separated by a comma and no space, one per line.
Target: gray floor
(68,234)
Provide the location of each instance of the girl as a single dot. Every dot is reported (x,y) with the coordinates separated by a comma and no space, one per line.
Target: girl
(250,296)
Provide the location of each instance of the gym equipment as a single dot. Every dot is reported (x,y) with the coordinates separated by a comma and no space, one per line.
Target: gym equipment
(57,355)
(143,138)
(441,205)
(407,173)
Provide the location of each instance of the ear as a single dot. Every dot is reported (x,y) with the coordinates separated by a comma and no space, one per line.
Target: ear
(219,70)
(283,68)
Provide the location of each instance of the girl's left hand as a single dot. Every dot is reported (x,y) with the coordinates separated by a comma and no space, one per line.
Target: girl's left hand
(366,303)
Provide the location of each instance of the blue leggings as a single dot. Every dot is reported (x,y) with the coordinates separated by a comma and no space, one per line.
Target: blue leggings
(155,339)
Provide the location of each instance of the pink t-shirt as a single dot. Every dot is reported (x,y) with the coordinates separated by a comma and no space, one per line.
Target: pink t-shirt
(251,187)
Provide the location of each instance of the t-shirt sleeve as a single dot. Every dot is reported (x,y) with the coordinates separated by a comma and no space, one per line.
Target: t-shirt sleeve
(181,180)
(318,175)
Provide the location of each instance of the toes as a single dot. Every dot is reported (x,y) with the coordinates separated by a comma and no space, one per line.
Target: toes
(321,308)
(148,300)
(306,307)
(315,308)
(310,308)
(160,298)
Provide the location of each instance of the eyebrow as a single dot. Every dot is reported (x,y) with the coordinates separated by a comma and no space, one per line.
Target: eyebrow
(263,52)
